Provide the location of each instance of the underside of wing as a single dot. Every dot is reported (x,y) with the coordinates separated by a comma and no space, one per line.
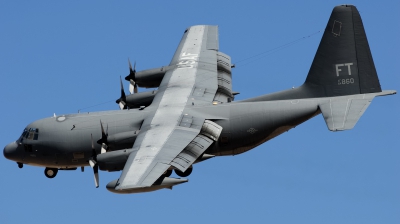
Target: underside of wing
(183,147)
(191,152)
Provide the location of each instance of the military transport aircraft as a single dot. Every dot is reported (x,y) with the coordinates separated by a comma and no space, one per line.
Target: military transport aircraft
(191,117)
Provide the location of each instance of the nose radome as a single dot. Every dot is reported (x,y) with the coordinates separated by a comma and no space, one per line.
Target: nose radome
(10,151)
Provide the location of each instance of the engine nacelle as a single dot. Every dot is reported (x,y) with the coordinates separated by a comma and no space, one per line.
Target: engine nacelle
(150,78)
(166,182)
(122,140)
(140,99)
(122,144)
(114,160)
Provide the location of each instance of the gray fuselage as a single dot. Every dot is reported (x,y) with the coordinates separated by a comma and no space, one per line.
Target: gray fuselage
(65,141)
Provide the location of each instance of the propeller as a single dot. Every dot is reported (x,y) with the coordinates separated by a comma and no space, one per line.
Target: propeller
(94,165)
(103,141)
(132,78)
(122,100)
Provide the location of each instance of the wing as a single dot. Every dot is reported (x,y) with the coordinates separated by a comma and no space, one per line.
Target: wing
(168,135)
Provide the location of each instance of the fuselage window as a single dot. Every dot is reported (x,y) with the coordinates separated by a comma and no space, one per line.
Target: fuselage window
(36,135)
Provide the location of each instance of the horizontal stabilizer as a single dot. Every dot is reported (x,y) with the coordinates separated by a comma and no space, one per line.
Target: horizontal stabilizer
(342,113)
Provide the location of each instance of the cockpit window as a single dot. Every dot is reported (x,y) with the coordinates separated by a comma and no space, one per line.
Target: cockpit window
(31,133)
(24,132)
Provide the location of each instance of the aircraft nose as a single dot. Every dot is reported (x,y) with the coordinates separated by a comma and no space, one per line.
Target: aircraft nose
(10,151)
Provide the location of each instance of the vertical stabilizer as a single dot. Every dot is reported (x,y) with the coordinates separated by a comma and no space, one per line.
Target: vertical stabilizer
(343,64)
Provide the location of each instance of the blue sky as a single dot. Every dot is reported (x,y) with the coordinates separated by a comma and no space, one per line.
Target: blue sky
(59,57)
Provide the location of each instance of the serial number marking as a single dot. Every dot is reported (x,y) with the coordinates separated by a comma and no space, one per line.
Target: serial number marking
(345,81)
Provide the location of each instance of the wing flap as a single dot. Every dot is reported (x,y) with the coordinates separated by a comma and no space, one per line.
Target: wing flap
(143,168)
(191,152)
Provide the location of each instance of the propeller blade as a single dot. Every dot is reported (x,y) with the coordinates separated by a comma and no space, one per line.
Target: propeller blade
(132,71)
(104,135)
(131,85)
(121,105)
(122,100)
(102,130)
(94,165)
(103,148)
(135,89)
(103,141)
(122,89)
(96,175)
(92,160)
(132,77)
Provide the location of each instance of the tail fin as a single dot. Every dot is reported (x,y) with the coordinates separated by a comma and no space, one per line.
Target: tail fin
(343,64)
(343,71)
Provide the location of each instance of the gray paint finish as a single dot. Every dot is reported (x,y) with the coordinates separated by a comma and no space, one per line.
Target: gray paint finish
(169,134)
(195,68)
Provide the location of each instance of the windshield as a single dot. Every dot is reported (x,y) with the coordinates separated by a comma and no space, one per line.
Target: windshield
(31,133)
